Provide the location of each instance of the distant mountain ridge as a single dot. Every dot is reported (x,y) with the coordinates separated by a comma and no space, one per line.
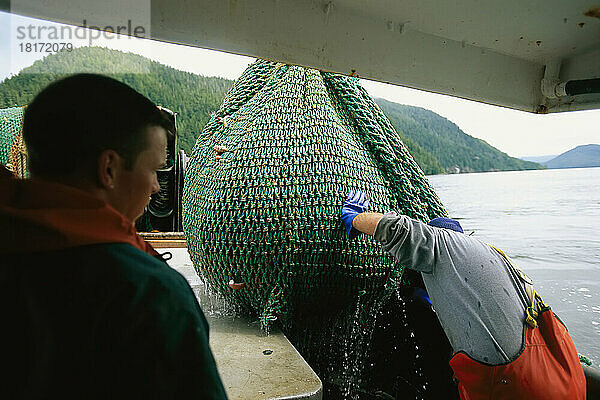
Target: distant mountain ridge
(583,156)
(437,144)
(538,159)
(454,150)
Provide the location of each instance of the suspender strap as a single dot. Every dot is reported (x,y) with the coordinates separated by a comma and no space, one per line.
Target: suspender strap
(536,303)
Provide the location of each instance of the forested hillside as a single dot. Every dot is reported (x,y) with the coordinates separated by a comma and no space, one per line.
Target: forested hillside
(437,144)
(192,96)
(451,147)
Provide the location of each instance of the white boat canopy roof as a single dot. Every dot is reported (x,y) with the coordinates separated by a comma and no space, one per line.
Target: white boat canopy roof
(512,53)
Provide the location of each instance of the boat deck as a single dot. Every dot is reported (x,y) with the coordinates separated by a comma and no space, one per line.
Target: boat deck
(252,364)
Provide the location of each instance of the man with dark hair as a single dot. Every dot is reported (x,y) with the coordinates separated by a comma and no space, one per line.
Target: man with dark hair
(71,121)
(89,309)
(487,308)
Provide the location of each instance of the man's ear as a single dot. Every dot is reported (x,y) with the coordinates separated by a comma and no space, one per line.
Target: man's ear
(108,169)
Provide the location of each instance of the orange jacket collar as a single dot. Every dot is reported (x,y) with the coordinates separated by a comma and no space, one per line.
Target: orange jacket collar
(36,215)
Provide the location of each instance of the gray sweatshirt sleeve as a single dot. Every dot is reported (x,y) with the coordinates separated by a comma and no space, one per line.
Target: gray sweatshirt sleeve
(476,300)
(411,242)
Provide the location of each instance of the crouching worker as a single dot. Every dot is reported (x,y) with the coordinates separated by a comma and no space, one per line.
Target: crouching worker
(89,310)
(507,343)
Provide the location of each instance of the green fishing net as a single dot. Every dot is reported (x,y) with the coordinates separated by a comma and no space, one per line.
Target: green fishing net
(267,212)
(11,121)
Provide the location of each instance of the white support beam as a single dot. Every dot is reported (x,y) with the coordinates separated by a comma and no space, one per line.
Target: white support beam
(481,51)
(341,41)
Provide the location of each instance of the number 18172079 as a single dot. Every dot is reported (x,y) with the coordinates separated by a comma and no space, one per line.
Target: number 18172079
(45,47)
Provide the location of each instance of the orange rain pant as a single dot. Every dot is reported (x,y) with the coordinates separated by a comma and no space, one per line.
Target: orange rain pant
(548,368)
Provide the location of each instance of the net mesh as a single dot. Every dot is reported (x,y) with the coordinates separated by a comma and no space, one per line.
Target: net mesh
(267,213)
(12,150)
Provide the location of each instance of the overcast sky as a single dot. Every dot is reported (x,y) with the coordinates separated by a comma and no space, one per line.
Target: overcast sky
(514,132)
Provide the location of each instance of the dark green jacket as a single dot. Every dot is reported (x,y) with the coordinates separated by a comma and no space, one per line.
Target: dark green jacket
(102,321)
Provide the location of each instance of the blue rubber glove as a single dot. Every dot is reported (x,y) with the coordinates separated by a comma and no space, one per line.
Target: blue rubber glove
(422,296)
(355,204)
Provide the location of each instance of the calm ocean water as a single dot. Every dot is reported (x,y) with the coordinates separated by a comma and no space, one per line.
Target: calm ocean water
(548,222)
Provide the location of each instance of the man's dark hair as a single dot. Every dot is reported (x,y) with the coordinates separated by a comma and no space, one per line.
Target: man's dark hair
(71,121)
